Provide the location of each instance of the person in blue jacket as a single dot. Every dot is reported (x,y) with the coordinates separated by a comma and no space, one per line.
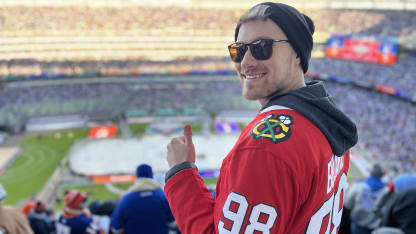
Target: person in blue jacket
(144,209)
(75,217)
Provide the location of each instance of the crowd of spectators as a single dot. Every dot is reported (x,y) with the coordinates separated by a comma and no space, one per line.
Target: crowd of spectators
(387,125)
(25,69)
(60,99)
(401,76)
(65,32)
(18,21)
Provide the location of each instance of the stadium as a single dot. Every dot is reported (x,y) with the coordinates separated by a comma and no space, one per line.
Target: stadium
(90,89)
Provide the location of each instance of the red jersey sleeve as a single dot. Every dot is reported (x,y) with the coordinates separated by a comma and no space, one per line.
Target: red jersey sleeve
(191,202)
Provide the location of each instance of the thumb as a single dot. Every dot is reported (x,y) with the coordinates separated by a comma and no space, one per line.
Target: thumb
(187,132)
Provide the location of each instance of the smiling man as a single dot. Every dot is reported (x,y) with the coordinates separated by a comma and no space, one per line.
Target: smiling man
(288,170)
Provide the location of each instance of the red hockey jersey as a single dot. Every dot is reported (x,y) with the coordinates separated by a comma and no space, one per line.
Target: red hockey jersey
(280,177)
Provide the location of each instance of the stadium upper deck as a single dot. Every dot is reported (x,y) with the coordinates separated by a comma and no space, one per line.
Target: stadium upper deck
(102,30)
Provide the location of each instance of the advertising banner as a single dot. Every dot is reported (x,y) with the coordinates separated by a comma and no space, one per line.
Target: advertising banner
(108,131)
(380,50)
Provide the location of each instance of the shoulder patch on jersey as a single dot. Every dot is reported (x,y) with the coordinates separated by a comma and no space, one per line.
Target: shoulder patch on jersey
(274,128)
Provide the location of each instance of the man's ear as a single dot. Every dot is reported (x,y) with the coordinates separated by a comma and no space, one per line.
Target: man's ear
(297,59)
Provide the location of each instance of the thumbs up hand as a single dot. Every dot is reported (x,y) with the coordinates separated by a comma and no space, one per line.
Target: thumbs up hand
(181,149)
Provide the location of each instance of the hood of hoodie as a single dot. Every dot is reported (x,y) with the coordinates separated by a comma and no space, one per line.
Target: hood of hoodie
(144,184)
(374,183)
(317,105)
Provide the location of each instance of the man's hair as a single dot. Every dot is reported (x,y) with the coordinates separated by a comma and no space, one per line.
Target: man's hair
(252,15)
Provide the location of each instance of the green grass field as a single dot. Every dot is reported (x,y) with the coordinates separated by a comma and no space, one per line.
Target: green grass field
(138,128)
(41,155)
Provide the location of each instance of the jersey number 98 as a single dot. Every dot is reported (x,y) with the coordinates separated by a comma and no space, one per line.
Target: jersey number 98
(238,214)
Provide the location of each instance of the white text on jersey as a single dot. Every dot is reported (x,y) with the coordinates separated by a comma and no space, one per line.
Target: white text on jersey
(335,166)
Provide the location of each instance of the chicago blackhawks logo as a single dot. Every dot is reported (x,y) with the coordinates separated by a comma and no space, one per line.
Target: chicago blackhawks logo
(276,129)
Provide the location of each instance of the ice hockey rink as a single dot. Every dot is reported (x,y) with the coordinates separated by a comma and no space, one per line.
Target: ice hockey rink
(122,156)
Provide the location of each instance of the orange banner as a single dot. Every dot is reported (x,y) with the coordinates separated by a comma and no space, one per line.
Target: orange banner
(113,179)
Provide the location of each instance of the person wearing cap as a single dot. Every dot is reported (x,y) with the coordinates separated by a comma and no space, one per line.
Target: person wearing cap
(144,208)
(361,198)
(288,169)
(75,217)
(12,221)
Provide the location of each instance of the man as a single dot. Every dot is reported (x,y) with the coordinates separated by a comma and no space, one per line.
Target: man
(144,209)
(288,170)
(11,220)
(360,200)
(75,217)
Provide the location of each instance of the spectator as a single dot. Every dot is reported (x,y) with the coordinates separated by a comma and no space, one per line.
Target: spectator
(400,208)
(75,217)
(94,206)
(39,220)
(12,221)
(144,209)
(106,211)
(101,213)
(360,200)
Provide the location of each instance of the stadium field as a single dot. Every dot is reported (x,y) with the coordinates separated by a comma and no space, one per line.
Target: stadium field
(31,170)
(42,154)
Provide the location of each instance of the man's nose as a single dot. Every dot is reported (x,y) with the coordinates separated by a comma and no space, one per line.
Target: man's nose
(248,60)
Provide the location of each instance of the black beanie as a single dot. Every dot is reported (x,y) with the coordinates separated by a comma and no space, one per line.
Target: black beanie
(376,171)
(298,27)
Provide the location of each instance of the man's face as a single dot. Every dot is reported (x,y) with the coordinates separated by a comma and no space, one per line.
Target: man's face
(260,78)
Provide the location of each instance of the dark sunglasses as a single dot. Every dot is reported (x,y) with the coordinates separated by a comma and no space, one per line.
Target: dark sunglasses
(260,49)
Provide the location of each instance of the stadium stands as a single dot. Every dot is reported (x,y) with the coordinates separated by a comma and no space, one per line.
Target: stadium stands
(400,76)
(108,32)
(162,21)
(387,125)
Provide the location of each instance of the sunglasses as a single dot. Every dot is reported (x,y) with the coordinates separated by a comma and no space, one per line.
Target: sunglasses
(261,49)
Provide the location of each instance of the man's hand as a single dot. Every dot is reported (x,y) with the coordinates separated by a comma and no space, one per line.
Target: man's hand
(181,149)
